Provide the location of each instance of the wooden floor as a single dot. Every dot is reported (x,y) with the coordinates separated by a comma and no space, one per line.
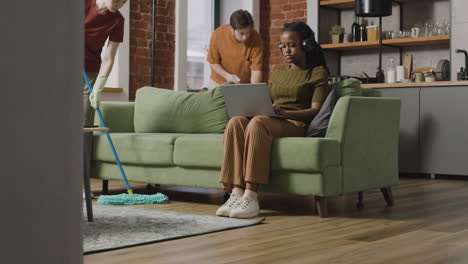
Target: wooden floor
(428,224)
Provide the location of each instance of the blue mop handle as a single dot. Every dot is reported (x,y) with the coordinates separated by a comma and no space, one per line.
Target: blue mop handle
(129,189)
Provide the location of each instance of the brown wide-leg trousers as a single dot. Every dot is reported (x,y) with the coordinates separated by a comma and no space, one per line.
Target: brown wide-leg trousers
(247,148)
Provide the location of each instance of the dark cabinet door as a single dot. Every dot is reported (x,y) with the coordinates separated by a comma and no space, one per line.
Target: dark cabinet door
(409,127)
(444,130)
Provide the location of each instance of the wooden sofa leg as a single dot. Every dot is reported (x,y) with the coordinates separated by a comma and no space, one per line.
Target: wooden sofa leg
(387,193)
(105,187)
(360,203)
(321,205)
(152,189)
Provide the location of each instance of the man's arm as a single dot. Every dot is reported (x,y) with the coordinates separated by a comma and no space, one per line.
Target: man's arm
(109,58)
(256,74)
(214,58)
(256,77)
(226,75)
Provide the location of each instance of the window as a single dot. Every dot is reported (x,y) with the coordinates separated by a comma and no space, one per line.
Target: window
(200,25)
(195,21)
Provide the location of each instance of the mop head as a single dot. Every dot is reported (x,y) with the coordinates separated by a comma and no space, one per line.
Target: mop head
(131,199)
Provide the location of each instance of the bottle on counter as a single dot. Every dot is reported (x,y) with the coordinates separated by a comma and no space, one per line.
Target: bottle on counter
(391,72)
(400,73)
(355,30)
(380,76)
(362,31)
(461,74)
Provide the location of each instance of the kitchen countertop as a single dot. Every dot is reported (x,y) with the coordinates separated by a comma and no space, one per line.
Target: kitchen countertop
(415,84)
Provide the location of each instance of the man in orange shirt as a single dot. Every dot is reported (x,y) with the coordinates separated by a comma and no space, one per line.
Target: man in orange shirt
(236,51)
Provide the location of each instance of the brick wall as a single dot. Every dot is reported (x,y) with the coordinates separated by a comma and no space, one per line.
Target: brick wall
(140,44)
(273,15)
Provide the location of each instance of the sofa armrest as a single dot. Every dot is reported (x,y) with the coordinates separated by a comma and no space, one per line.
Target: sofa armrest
(368,129)
(117,115)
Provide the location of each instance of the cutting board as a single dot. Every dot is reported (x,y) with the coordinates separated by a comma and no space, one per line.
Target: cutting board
(408,62)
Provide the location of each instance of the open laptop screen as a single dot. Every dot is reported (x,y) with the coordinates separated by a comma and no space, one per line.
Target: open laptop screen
(247,100)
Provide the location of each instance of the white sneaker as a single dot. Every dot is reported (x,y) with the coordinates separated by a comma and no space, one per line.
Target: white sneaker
(247,208)
(231,203)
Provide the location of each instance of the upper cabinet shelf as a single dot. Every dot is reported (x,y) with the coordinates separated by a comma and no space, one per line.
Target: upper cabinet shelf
(338,4)
(351,46)
(403,42)
(422,41)
(345,4)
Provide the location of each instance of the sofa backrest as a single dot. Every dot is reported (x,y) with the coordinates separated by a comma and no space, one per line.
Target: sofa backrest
(352,87)
(117,115)
(162,110)
(371,92)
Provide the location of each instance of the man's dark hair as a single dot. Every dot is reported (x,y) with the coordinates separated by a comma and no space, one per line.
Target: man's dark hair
(241,19)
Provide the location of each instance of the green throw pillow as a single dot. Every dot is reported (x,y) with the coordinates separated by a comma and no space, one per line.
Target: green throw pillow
(162,110)
(319,125)
(348,87)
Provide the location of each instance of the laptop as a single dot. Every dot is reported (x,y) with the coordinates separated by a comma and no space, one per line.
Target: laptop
(248,100)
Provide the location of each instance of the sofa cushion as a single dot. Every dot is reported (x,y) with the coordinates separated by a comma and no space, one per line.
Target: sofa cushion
(161,110)
(135,148)
(288,154)
(199,150)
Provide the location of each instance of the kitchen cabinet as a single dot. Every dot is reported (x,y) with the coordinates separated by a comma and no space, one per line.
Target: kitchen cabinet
(433,128)
(444,130)
(409,127)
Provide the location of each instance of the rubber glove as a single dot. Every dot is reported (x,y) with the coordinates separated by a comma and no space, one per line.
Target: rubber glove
(95,96)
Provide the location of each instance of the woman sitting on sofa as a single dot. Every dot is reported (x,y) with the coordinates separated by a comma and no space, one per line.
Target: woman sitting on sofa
(298,91)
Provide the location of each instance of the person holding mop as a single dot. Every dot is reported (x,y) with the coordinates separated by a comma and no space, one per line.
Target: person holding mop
(103,21)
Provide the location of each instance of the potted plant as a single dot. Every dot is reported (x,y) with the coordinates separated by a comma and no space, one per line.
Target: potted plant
(336,33)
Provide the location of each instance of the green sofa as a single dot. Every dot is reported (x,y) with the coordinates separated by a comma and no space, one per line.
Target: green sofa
(358,153)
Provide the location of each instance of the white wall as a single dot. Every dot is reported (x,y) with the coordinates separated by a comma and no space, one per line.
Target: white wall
(227,7)
(120,75)
(312,16)
(180,69)
(41,140)
(459,34)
